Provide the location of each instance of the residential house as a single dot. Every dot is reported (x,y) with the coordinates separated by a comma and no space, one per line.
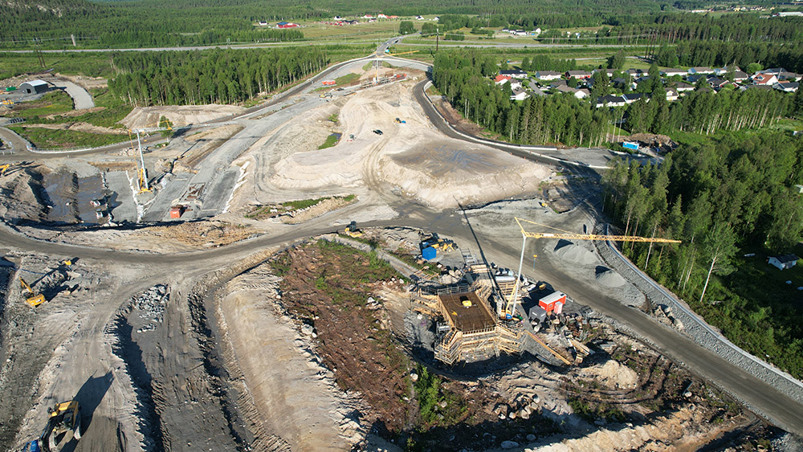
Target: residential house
(700,70)
(787,87)
(608,72)
(781,73)
(765,79)
(740,76)
(783,262)
(514,83)
(695,77)
(718,83)
(547,75)
(515,73)
(287,25)
(582,93)
(578,74)
(502,79)
(558,83)
(683,88)
(633,73)
(671,95)
(670,72)
(610,101)
(632,97)
(518,93)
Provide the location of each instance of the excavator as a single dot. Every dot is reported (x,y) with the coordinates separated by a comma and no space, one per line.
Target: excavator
(34,299)
(64,417)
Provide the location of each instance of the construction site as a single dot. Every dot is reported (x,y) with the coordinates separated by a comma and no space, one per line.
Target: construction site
(336,270)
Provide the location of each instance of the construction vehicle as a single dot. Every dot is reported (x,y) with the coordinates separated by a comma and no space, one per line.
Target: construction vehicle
(352,231)
(401,121)
(4,168)
(507,309)
(64,417)
(34,299)
(442,245)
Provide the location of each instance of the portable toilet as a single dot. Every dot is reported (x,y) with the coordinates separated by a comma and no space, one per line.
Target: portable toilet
(429,253)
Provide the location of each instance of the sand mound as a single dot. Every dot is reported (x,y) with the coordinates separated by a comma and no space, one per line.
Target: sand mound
(143,117)
(575,254)
(609,278)
(612,374)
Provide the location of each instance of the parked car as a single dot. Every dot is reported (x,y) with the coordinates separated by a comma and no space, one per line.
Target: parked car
(378,132)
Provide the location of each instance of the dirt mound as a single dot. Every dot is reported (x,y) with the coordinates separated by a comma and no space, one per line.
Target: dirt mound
(574,253)
(611,374)
(20,198)
(143,117)
(609,278)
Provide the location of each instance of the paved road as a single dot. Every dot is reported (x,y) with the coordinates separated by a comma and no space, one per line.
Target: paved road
(81,97)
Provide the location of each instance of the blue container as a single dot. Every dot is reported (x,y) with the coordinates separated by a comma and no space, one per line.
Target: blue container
(429,253)
(630,145)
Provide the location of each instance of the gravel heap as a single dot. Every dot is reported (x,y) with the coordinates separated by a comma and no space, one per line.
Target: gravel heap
(609,278)
(151,306)
(574,253)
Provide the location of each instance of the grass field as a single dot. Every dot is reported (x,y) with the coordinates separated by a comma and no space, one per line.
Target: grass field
(66,139)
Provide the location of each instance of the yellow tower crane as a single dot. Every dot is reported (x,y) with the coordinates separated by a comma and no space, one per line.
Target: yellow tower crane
(142,173)
(510,306)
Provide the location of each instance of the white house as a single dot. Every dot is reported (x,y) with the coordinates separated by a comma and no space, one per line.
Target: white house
(783,262)
(518,93)
(547,75)
(765,79)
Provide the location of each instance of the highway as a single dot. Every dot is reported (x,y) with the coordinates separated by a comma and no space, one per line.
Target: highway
(777,407)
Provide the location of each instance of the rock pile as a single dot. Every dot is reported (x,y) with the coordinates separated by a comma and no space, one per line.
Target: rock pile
(151,306)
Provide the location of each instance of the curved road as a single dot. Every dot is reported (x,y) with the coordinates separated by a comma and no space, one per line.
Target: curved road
(777,407)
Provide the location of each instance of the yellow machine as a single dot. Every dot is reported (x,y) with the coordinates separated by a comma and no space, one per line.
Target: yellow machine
(33,299)
(4,168)
(352,231)
(64,417)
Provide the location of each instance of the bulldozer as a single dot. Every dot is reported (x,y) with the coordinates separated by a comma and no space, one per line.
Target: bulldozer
(64,417)
(352,231)
(34,299)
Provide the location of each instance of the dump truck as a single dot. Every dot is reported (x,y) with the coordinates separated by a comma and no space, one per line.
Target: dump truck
(65,417)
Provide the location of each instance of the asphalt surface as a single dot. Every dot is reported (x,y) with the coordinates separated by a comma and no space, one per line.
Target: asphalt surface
(778,408)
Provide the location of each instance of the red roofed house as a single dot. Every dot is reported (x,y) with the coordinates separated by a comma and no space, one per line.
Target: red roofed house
(765,79)
(502,79)
(287,25)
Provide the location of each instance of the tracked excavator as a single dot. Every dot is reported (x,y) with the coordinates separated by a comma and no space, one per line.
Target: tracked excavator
(65,417)
(33,299)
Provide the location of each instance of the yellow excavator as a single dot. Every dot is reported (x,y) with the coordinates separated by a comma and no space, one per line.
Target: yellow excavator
(33,299)
(64,417)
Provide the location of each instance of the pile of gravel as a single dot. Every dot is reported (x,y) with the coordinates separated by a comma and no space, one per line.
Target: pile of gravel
(575,254)
(609,278)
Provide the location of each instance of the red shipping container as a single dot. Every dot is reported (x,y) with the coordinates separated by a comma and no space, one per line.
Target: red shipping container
(175,212)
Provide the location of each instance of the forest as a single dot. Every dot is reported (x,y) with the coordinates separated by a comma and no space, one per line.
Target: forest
(210,76)
(724,198)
